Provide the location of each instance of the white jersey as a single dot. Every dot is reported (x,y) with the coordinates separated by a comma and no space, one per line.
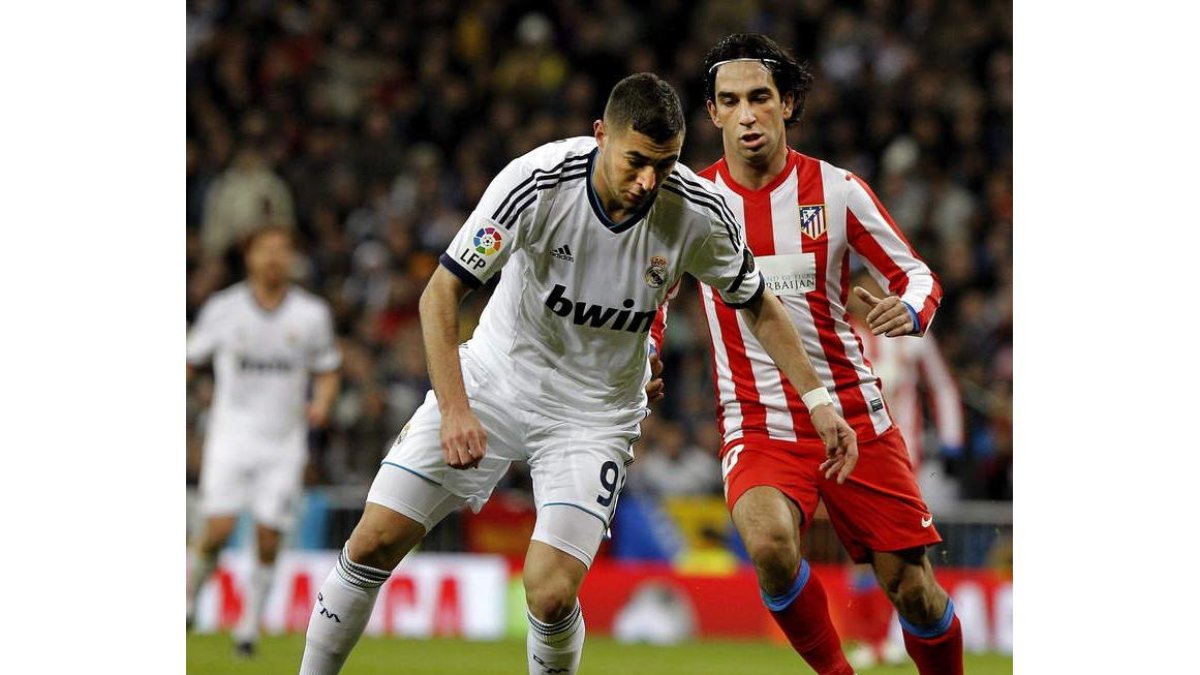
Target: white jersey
(568,322)
(262,359)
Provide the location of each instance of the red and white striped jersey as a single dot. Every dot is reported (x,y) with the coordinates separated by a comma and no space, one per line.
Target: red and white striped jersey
(902,364)
(801,229)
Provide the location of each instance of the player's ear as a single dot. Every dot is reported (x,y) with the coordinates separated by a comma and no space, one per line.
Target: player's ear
(712,112)
(598,130)
(789,102)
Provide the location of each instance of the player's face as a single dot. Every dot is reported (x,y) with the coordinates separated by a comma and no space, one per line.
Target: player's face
(269,259)
(749,112)
(632,166)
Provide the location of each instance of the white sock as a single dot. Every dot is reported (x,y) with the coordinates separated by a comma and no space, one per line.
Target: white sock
(257,589)
(343,607)
(555,649)
(202,567)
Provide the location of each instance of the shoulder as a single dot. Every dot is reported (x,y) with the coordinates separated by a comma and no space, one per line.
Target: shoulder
(710,171)
(697,196)
(228,297)
(308,302)
(554,156)
(833,177)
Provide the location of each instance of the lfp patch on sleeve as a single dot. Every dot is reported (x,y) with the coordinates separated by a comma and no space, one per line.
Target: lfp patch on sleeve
(488,240)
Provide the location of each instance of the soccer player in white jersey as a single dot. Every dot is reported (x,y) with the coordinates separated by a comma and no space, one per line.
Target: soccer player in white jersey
(591,233)
(801,217)
(267,339)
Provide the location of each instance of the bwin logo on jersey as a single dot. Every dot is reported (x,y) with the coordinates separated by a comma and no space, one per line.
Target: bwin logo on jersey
(598,316)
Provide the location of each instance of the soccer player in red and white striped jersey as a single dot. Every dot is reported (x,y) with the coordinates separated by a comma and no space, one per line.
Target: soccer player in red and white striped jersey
(802,217)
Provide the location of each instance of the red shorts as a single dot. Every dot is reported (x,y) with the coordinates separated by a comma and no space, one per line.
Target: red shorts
(878,508)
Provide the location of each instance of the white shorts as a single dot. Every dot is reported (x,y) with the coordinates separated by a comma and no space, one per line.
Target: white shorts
(265,477)
(577,471)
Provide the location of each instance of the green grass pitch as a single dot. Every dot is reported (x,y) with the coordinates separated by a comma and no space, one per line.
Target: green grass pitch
(213,655)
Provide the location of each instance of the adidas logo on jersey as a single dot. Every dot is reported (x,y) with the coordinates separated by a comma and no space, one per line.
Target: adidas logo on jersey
(598,316)
(563,253)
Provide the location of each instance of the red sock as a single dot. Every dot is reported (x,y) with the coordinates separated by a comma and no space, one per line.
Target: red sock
(934,652)
(803,614)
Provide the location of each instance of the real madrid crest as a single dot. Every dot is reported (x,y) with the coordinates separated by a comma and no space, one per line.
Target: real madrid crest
(656,274)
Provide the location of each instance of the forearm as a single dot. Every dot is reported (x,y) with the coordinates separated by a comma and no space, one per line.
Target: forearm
(439,328)
(778,336)
(325,390)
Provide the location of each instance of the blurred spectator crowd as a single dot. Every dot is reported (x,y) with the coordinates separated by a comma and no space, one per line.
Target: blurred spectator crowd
(373,127)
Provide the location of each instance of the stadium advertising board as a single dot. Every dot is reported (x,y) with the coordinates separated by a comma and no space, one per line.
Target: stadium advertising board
(467,595)
(428,595)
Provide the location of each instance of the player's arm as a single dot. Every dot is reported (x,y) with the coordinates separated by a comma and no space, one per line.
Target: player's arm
(914,292)
(325,391)
(765,317)
(463,437)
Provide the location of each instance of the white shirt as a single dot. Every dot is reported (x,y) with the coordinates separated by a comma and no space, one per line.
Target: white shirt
(262,359)
(567,325)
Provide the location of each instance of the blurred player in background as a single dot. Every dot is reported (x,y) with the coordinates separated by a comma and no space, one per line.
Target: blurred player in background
(802,218)
(267,340)
(591,233)
(905,365)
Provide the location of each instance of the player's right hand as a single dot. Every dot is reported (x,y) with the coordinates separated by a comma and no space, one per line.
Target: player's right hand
(464,441)
(655,389)
(841,443)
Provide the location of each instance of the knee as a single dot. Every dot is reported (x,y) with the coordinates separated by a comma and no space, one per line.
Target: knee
(378,545)
(916,596)
(776,553)
(549,598)
(214,537)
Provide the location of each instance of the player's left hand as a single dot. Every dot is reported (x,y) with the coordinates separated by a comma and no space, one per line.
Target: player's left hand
(318,416)
(841,443)
(655,389)
(888,316)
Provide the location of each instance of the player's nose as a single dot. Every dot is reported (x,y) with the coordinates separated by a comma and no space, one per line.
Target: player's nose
(647,179)
(745,114)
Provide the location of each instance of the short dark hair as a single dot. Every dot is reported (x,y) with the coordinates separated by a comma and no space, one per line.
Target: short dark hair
(648,105)
(790,76)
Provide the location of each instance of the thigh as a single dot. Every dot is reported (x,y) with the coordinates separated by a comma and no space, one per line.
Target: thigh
(417,452)
(879,507)
(793,469)
(578,474)
(225,481)
(278,486)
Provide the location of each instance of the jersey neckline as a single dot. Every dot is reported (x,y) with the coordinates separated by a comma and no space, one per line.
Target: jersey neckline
(793,158)
(598,209)
(263,311)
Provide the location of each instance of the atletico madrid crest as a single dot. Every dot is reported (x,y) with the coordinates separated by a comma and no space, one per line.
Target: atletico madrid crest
(812,220)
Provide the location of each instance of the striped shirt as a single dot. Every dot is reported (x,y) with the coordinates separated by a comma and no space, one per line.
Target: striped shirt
(801,228)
